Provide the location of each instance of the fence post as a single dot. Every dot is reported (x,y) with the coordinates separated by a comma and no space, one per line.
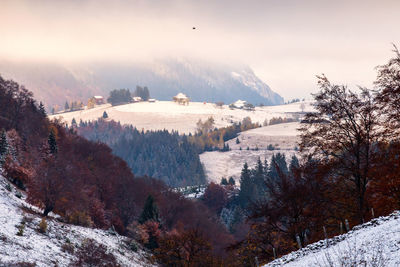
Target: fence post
(326,236)
(341,228)
(347,225)
(273,250)
(373,213)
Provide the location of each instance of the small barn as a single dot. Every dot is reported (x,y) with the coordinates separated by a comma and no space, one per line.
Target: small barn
(181,99)
(98,99)
(136,99)
(239,104)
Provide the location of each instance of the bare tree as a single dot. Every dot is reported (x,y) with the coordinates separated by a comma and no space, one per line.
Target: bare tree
(388,94)
(343,133)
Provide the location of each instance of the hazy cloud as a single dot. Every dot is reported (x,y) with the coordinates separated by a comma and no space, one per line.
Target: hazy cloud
(287,42)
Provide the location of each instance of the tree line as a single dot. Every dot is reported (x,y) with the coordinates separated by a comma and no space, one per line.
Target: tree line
(169,157)
(123,96)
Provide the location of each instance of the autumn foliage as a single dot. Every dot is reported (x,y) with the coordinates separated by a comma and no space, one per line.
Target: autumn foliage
(87,185)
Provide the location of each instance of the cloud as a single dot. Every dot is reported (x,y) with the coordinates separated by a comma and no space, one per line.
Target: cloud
(287,42)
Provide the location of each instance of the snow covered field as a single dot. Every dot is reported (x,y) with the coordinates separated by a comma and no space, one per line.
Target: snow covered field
(46,249)
(373,244)
(225,164)
(171,116)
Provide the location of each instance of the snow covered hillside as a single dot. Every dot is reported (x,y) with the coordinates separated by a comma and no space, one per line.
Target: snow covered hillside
(171,116)
(282,137)
(54,247)
(373,244)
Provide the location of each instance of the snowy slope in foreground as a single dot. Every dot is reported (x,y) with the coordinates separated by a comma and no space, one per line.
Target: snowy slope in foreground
(375,243)
(45,249)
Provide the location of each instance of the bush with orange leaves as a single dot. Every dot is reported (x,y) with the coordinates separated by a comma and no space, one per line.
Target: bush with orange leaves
(184,248)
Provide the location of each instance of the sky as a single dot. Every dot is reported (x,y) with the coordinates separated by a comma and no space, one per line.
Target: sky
(286,42)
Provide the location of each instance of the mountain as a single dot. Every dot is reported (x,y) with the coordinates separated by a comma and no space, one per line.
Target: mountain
(200,80)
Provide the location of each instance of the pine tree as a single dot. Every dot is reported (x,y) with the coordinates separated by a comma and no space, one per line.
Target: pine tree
(73,122)
(278,161)
(294,163)
(52,143)
(150,211)
(231,181)
(42,110)
(3,146)
(259,178)
(105,115)
(66,107)
(224,181)
(247,187)
(237,140)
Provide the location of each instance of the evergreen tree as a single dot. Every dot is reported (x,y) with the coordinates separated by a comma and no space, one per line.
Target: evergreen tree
(42,110)
(146,93)
(237,140)
(278,162)
(265,167)
(105,115)
(294,163)
(231,181)
(150,211)
(3,146)
(259,178)
(73,122)
(120,96)
(224,181)
(52,143)
(247,187)
(66,107)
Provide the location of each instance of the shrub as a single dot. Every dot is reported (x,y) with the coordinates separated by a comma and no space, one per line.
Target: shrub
(68,247)
(79,218)
(42,226)
(133,246)
(92,254)
(21,264)
(21,228)
(18,194)
(8,187)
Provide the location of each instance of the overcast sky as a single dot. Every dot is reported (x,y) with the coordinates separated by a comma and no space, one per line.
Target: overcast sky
(286,42)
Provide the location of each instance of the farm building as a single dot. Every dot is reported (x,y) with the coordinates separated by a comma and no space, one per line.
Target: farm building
(98,99)
(137,99)
(181,99)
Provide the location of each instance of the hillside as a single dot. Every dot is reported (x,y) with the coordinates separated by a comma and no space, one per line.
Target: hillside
(375,243)
(283,138)
(171,116)
(45,249)
(201,81)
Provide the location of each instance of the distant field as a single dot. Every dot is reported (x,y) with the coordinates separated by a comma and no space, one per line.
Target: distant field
(171,116)
(225,164)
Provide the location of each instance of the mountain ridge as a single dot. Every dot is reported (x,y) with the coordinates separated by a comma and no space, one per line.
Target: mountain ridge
(202,81)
